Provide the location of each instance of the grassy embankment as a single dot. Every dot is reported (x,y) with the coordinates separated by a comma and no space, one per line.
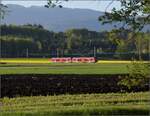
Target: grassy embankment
(83,104)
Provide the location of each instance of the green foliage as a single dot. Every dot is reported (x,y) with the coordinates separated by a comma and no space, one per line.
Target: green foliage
(147,6)
(134,13)
(76,41)
(138,75)
(17,46)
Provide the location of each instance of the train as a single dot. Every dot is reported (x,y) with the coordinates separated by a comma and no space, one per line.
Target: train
(73,60)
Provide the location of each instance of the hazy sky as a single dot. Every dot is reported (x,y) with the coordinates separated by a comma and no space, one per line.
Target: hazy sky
(99,5)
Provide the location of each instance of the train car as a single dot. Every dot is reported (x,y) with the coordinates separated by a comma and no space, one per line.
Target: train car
(83,59)
(61,60)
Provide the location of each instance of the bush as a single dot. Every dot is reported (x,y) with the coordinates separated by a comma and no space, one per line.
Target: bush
(138,75)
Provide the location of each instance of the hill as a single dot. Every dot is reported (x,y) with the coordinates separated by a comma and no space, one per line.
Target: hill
(55,19)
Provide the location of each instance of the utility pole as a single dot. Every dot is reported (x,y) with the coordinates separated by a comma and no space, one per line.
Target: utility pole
(94,51)
(57,52)
(27,53)
(62,53)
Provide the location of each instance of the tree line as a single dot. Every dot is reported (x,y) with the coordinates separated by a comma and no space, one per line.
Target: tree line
(35,41)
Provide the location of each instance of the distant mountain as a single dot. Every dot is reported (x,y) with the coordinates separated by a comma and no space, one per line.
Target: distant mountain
(55,19)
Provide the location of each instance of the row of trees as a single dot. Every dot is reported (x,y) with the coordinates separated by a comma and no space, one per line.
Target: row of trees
(35,41)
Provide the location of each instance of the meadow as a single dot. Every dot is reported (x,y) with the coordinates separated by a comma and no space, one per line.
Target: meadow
(82,104)
(63,69)
(45,66)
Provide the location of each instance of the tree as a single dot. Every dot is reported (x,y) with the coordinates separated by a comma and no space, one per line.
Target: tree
(133,13)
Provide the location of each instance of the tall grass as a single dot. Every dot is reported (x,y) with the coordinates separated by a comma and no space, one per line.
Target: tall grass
(82,104)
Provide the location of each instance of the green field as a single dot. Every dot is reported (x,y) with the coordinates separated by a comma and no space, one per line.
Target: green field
(83,104)
(45,66)
(69,68)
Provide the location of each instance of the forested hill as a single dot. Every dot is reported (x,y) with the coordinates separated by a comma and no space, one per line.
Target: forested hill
(41,42)
(35,41)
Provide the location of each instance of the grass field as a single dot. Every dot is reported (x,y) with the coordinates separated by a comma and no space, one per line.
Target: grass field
(63,68)
(44,66)
(83,104)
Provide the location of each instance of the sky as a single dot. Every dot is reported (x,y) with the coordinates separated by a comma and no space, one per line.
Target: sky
(99,5)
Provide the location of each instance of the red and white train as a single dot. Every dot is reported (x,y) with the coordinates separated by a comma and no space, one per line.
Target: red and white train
(74,60)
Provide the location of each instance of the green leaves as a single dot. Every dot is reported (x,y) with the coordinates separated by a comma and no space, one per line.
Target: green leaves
(138,75)
(130,13)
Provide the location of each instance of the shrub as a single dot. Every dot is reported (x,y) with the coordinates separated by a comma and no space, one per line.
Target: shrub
(138,75)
